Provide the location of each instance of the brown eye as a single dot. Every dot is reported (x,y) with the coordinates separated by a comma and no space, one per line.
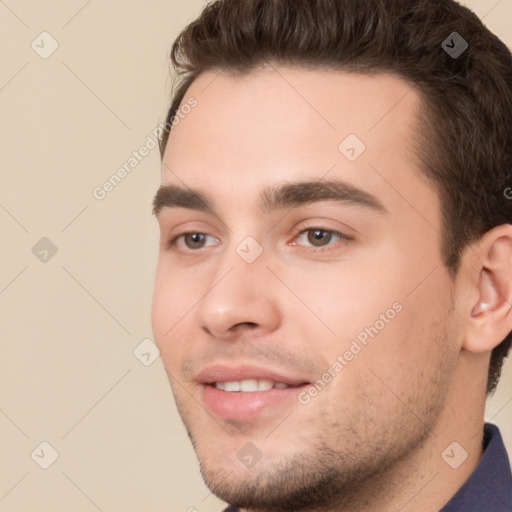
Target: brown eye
(194,240)
(191,240)
(320,237)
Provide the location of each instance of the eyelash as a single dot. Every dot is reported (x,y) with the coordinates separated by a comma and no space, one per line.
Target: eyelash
(344,239)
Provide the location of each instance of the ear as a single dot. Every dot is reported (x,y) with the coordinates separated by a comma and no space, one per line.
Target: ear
(491,314)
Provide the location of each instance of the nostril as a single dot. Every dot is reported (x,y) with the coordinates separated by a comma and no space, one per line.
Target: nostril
(241,325)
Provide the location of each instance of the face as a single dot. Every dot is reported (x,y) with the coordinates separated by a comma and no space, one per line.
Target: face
(300,305)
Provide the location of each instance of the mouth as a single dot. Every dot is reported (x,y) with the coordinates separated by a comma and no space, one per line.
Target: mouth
(251,385)
(243,393)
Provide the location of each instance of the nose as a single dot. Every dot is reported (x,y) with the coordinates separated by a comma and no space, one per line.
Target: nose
(241,298)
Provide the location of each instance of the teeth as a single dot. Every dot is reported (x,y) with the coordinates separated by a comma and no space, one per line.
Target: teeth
(265,385)
(250,385)
(232,386)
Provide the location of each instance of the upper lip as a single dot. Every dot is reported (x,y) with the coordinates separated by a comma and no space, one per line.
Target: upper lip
(224,373)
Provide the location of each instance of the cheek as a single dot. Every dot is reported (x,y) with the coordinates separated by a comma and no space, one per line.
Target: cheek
(353,297)
(161,306)
(175,291)
(386,316)
(171,301)
(413,352)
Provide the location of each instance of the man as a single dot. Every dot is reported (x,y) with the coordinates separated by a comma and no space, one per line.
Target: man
(333,294)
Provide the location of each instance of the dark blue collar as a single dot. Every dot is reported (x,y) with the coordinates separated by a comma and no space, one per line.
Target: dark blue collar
(489,488)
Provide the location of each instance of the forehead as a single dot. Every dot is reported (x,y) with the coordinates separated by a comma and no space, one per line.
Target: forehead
(295,102)
(285,123)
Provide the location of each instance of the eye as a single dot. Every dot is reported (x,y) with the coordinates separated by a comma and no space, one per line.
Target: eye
(321,237)
(192,240)
(318,237)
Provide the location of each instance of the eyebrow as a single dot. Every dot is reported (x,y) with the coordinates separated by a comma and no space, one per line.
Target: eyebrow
(275,197)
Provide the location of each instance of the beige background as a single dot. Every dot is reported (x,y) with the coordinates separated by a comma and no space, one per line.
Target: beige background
(69,326)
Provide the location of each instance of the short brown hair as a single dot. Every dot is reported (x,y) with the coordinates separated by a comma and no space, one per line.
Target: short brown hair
(465,138)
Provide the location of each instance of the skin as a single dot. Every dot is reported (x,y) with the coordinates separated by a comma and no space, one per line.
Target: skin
(372,439)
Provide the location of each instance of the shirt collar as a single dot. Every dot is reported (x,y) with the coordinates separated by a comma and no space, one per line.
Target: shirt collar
(489,488)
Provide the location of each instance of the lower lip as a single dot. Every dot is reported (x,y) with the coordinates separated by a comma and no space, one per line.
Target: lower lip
(237,405)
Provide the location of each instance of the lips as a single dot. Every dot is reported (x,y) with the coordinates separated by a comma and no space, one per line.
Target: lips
(243,392)
(224,373)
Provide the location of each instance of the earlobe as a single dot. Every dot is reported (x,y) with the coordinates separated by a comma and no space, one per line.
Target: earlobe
(491,314)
